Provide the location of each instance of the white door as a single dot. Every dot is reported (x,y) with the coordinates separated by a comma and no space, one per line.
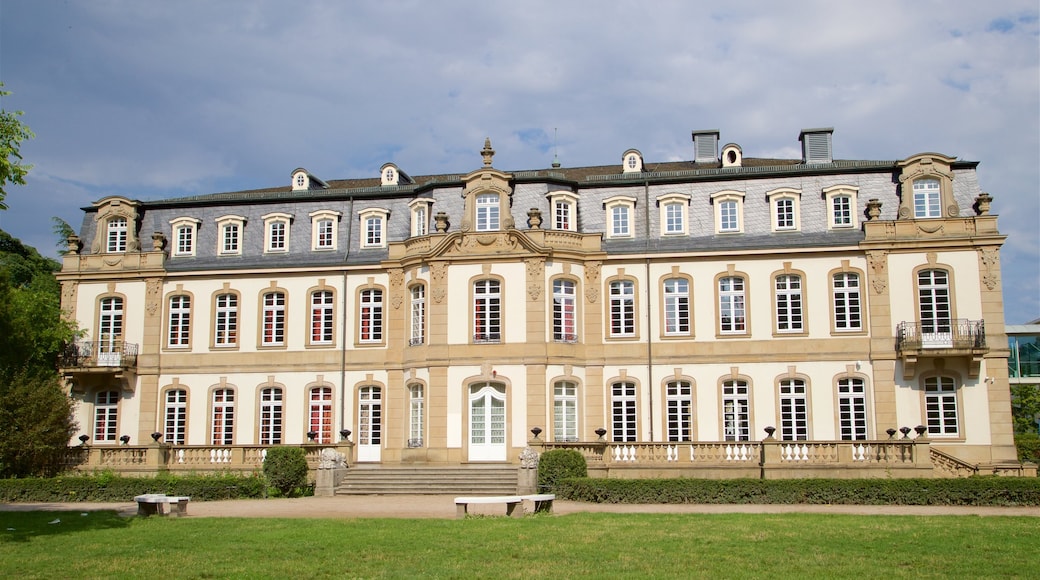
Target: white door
(370,424)
(487,422)
(933,291)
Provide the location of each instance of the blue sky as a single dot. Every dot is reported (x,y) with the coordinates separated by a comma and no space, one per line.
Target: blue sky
(154,99)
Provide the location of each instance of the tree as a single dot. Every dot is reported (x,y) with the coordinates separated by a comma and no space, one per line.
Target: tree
(12,133)
(1025,407)
(37,423)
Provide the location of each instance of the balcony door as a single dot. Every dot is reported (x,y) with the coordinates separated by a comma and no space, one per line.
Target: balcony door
(110,333)
(487,422)
(370,424)
(933,293)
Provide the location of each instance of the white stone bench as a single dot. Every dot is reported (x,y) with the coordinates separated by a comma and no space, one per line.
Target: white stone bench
(542,503)
(162,504)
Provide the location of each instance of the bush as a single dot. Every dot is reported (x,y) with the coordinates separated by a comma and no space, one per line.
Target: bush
(971,491)
(558,464)
(286,469)
(1028,445)
(108,487)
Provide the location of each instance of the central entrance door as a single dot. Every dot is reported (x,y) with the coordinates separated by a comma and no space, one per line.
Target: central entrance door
(370,424)
(487,422)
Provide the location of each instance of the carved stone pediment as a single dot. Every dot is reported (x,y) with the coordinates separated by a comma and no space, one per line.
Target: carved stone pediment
(462,244)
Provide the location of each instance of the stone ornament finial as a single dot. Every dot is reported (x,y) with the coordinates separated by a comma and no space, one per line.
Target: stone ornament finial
(487,152)
(982,203)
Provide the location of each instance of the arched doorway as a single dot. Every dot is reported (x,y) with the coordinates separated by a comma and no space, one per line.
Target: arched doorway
(487,422)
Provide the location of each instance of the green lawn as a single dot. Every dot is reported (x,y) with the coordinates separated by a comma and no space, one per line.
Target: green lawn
(103,545)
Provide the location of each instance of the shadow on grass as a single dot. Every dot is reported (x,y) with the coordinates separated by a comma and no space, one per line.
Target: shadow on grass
(24,526)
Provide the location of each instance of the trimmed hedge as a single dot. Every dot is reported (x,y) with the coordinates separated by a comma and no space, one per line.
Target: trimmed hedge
(286,469)
(972,491)
(107,487)
(558,464)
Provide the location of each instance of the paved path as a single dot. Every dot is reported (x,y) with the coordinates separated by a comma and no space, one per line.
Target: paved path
(443,506)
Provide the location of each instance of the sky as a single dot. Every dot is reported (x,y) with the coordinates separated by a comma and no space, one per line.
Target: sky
(154,99)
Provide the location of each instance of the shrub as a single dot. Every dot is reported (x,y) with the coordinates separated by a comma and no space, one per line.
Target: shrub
(971,491)
(105,486)
(558,464)
(1028,445)
(286,469)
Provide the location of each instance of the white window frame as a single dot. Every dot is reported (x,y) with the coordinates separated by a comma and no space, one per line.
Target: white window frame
(230,229)
(852,409)
(622,322)
(300,181)
(420,210)
(927,198)
(323,317)
(276,232)
(565,311)
(565,411)
(673,208)
(273,304)
(185,231)
(370,316)
(785,209)
(487,311)
(789,303)
(324,229)
(487,212)
(632,161)
(225,324)
(417,314)
(794,410)
(676,306)
(624,411)
(272,415)
(175,417)
(848,301)
(319,413)
(178,321)
(564,207)
(724,224)
(679,411)
(106,416)
(222,417)
(416,415)
(736,410)
(116,234)
(942,412)
(373,227)
(619,213)
(842,212)
(732,305)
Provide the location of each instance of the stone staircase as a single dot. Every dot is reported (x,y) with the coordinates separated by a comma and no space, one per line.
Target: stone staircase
(448,480)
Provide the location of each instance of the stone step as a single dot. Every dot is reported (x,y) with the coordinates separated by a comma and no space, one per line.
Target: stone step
(474,480)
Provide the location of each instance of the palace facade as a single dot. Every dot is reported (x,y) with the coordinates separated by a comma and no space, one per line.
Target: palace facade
(439,319)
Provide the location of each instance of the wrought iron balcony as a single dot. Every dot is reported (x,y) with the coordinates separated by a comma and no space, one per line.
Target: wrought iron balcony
(90,354)
(941,338)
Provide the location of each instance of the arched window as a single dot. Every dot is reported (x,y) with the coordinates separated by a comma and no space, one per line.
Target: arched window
(223,417)
(271,416)
(175,416)
(679,411)
(320,420)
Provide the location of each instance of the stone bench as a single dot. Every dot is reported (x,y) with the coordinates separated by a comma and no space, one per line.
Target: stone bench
(162,504)
(514,503)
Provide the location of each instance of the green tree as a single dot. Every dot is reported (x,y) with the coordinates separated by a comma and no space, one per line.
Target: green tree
(12,133)
(286,469)
(1025,407)
(37,423)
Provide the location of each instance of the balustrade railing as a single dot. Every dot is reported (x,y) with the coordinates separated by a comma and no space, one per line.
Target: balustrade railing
(950,333)
(196,458)
(89,353)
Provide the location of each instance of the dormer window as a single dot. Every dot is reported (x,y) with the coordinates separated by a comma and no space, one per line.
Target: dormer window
(420,209)
(324,226)
(487,212)
(926,199)
(632,161)
(389,175)
(673,208)
(785,209)
(732,156)
(300,180)
(564,210)
(276,226)
(926,187)
(115,234)
(373,227)
(184,233)
(230,228)
(729,212)
(619,210)
(841,206)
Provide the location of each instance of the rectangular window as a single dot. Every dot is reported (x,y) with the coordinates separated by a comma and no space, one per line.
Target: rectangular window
(933,294)
(106,416)
(416,415)
(185,241)
(623,411)
(926,198)
(421,220)
(223,420)
(225,327)
(784,214)
(841,210)
(116,239)
(789,303)
(676,307)
(728,220)
(271,416)
(852,409)
(679,399)
(487,212)
(374,231)
(565,411)
(180,321)
(736,415)
(320,422)
(562,215)
(564,326)
(371,316)
(794,410)
(848,313)
(673,218)
(731,305)
(418,335)
(276,241)
(325,239)
(622,308)
(321,317)
(176,416)
(940,400)
(274,319)
(229,239)
(110,332)
(619,221)
(487,311)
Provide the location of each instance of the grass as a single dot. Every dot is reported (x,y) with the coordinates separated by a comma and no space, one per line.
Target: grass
(102,544)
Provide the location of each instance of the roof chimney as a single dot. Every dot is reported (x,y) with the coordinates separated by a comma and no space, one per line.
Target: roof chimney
(816,145)
(706,146)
